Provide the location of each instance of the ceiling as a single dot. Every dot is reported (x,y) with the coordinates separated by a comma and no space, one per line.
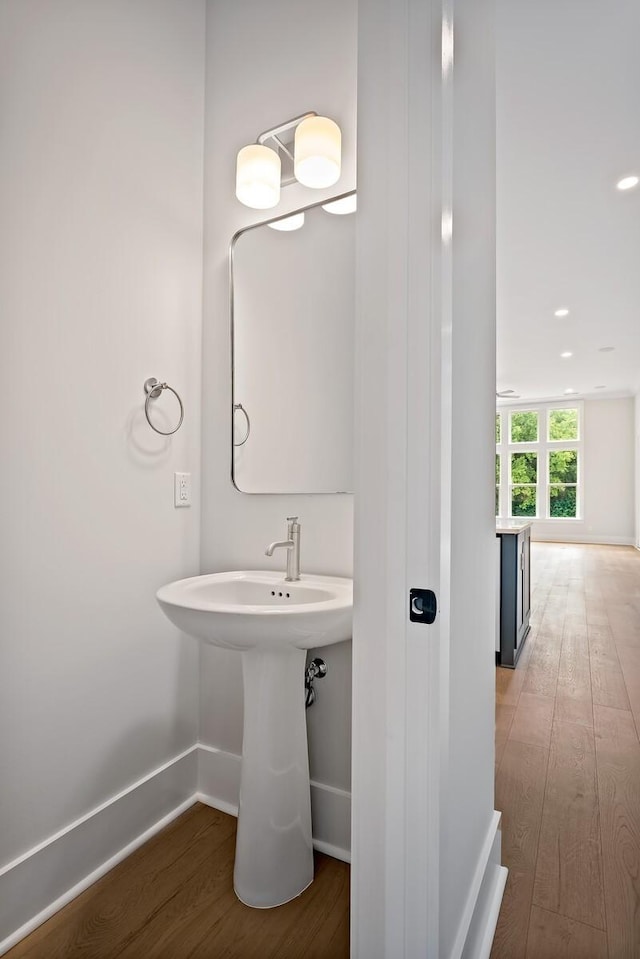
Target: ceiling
(568,128)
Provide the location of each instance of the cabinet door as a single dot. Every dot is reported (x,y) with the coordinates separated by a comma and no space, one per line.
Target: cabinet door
(517,560)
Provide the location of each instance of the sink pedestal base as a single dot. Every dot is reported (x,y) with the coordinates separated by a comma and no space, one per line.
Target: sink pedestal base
(274,852)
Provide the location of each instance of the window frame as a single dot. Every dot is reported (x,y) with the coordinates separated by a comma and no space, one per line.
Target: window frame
(514,450)
(543,447)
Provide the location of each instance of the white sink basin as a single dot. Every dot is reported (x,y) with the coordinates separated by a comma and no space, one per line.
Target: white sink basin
(247,609)
(271,623)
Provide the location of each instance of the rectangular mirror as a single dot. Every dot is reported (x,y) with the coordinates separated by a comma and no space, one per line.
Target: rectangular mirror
(292,334)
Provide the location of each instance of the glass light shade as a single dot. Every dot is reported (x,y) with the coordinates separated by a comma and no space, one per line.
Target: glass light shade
(293,222)
(317,152)
(348,204)
(258,177)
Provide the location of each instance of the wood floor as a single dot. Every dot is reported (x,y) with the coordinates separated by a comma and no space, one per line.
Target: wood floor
(173,899)
(567,783)
(568,762)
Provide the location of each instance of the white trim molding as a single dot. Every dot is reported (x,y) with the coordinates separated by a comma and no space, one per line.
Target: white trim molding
(566,536)
(37,884)
(45,878)
(478,924)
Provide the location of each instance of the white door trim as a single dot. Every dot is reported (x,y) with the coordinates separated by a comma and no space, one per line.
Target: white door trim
(402,477)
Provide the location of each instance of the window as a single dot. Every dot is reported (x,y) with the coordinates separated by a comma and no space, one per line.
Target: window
(563,425)
(523,489)
(524,426)
(538,461)
(563,483)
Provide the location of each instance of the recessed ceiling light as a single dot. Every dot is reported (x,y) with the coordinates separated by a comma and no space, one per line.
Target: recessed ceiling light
(563,311)
(606,349)
(570,391)
(628,182)
(566,355)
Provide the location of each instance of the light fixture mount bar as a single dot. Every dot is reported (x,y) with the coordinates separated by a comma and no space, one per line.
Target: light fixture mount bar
(282,146)
(284,128)
(281,139)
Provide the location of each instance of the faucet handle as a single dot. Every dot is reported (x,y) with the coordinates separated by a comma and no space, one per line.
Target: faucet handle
(292,519)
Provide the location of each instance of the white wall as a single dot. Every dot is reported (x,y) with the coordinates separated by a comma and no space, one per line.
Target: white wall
(636,431)
(100,285)
(267,63)
(608,476)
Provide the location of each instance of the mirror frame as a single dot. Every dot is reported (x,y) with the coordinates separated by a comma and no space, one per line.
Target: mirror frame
(234,239)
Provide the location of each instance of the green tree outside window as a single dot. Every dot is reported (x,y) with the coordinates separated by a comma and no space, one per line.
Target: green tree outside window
(563,466)
(523,500)
(563,425)
(562,501)
(524,427)
(524,468)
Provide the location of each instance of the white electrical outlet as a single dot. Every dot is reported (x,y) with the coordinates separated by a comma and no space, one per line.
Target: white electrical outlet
(181,489)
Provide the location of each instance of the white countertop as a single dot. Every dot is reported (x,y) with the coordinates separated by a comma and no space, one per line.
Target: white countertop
(514,526)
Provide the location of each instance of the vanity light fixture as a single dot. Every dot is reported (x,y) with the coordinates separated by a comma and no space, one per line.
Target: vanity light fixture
(258,177)
(307,149)
(347,204)
(317,152)
(288,223)
(628,182)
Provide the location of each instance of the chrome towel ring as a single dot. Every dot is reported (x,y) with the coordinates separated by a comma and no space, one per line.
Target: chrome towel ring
(153,389)
(236,407)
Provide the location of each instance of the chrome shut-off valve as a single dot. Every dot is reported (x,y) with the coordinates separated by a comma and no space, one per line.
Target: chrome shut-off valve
(317,669)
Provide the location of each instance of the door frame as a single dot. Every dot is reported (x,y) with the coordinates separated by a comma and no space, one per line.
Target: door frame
(403,472)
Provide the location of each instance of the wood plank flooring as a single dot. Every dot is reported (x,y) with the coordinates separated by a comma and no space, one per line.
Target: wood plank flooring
(568,761)
(173,899)
(567,783)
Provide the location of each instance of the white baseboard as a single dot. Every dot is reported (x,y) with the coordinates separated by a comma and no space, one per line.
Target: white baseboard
(586,539)
(478,924)
(331,820)
(44,879)
(219,787)
(40,882)
(219,779)
(480,939)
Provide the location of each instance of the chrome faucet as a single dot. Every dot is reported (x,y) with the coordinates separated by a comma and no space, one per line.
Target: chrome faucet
(292,546)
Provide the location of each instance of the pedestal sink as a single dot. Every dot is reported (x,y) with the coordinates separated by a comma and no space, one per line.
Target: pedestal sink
(272,623)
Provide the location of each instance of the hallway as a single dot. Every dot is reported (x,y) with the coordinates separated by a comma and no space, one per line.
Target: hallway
(568,761)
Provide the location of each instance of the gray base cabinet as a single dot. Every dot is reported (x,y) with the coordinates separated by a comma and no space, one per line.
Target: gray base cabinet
(515,594)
